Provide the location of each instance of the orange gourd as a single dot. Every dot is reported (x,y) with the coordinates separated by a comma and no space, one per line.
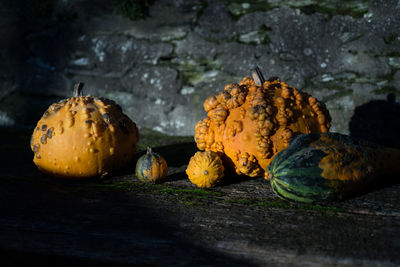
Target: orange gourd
(83,137)
(253,120)
(205,169)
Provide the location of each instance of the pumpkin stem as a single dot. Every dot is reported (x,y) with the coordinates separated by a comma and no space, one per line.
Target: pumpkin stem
(148,150)
(78,89)
(257,76)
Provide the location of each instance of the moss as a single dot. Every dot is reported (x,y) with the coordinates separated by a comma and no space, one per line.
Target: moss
(197,196)
(257,37)
(339,94)
(185,196)
(386,90)
(153,138)
(239,8)
(133,185)
(354,8)
(282,204)
(132,9)
(195,70)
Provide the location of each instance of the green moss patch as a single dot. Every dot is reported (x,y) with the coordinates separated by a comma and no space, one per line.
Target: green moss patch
(281,204)
(132,9)
(153,138)
(354,8)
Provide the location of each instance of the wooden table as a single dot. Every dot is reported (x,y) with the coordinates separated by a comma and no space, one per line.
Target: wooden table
(119,221)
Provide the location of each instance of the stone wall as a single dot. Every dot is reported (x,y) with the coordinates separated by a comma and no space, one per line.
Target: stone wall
(160,68)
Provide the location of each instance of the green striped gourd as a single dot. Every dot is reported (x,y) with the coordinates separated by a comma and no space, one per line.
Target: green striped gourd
(329,167)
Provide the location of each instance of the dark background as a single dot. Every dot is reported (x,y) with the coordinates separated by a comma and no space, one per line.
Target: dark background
(160,59)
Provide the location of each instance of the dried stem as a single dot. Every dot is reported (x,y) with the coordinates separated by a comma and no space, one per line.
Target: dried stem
(78,89)
(258,76)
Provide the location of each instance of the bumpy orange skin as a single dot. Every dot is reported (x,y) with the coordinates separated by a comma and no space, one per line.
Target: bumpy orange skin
(205,169)
(83,137)
(251,123)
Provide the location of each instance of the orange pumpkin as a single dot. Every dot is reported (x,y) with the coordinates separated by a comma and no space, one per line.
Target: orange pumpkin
(83,137)
(253,120)
(205,169)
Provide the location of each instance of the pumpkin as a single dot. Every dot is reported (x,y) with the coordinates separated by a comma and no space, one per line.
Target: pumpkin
(251,121)
(151,167)
(205,169)
(329,167)
(82,137)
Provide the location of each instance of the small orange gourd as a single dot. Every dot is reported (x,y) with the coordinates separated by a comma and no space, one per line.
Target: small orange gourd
(151,167)
(82,137)
(251,121)
(205,169)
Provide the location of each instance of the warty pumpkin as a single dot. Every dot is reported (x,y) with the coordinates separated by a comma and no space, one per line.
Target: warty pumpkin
(329,167)
(82,137)
(151,167)
(205,169)
(251,121)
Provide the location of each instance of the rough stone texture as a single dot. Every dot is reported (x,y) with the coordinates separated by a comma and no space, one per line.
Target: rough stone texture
(162,67)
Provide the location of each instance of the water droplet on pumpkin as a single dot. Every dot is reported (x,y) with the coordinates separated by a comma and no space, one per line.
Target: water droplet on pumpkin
(44,127)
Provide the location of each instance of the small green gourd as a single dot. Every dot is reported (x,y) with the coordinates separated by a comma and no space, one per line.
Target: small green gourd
(151,167)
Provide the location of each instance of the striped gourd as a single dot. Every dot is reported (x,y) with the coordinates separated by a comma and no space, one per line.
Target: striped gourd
(329,167)
(151,167)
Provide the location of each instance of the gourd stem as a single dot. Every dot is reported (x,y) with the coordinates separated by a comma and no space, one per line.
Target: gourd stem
(148,150)
(257,76)
(78,89)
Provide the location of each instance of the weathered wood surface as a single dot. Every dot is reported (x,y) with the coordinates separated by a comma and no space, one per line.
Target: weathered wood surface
(119,221)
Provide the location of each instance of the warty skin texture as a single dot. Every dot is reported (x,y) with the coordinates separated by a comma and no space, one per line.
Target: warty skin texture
(83,137)
(250,123)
